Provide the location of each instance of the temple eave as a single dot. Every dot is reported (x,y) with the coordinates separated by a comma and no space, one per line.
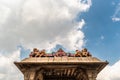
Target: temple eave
(86,65)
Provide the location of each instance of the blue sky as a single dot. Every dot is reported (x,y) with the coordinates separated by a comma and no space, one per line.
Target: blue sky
(102,33)
(51,24)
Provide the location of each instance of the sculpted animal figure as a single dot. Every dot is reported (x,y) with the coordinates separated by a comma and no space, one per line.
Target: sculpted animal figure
(43,53)
(85,53)
(78,53)
(34,53)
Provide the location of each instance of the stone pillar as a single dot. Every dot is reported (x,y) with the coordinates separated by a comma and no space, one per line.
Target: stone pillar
(32,75)
(26,75)
(29,75)
(39,77)
(39,74)
(92,74)
(82,75)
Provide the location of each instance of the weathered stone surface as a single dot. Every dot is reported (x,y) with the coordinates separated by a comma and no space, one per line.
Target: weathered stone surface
(60,59)
(60,65)
(61,68)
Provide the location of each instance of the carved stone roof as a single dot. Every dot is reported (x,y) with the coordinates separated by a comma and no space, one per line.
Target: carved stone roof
(85,62)
(61,59)
(62,64)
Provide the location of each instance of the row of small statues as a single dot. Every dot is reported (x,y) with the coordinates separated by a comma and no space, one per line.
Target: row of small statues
(37,53)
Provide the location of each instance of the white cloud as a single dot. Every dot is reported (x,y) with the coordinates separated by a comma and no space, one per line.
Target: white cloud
(102,37)
(113,3)
(36,23)
(8,70)
(116,19)
(116,15)
(4,11)
(110,72)
(80,24)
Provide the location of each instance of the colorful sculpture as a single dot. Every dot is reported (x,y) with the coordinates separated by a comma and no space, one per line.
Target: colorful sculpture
(60,53)
(34,52)
(85,53)
(78,53)
(43,53)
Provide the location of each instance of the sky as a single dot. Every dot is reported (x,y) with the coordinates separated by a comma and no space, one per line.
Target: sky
(53,24)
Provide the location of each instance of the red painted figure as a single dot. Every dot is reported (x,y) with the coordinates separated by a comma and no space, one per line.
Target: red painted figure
(60,53)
